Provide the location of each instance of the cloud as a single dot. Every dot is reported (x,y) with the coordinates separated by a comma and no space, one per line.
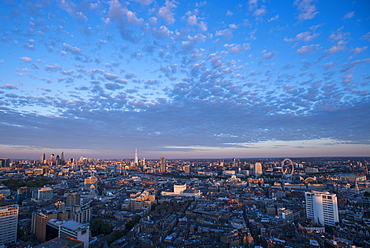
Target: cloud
(237,48)
(349,15)
(113,86)
(53,68)
(335,49)
(166,12)
(252,4)
(366,36)
(8,87)
(310,49)
(328,66)
(260,12)
(26,59)
(268,55)
(274,18)
(110,76)
(162,32)
(358,50)
(307,10)
(144,2)
(192,20)
(226,33)
(306,36)
(71,49)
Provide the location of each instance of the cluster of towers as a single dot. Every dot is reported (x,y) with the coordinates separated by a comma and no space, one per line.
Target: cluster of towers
(54,160)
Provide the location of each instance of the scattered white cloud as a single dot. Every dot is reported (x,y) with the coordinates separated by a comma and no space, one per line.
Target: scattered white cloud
(274,18)
(310,49)
(349,15)
(26,59)
(307,10)
(166,12)
(306,36)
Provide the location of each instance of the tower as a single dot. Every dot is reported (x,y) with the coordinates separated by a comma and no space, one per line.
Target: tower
(257,169)
(136,158)
(8,223)
(322,207)
(73,199)
(52,159)
(62,160)
(42,159)
(162,165)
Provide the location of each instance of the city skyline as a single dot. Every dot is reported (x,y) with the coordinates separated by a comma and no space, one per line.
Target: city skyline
(178,79)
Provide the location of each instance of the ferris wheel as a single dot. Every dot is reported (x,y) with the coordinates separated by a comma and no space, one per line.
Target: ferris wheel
(287,167)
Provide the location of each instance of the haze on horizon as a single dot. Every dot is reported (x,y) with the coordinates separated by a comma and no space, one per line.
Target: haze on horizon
(184,79)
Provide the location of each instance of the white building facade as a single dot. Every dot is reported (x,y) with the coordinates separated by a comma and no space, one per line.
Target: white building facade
(8,224)
(322,208)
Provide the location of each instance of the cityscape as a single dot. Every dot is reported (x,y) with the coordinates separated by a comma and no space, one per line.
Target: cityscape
(271,202)
(175,123)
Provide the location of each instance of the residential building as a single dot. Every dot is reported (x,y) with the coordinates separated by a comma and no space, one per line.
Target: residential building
(8,224)
(322,207)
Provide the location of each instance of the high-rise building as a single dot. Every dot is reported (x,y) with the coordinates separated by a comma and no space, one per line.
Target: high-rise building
(62,159)
(73,199)
(52,159)
(8,223)
(257,169)
(322,207)
(136,158)
(45,193)
(5,162)
(42,159)
(40,219)
(23,193)
(163,165)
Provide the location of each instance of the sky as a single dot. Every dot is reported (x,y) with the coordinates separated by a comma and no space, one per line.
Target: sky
(184,79)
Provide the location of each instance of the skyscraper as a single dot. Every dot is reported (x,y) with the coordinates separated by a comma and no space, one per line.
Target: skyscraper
(73,199)
(62,159)
(257,170)
(136,158)
(8,223)
(52,159)
(42,159)
(322,207)
(162,165)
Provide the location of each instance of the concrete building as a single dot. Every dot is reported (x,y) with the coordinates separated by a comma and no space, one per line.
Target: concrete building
(8,224)
(45,193)
(69,230)
(163,165)
(322,207)
(73,199)
(39,221)
(257,169)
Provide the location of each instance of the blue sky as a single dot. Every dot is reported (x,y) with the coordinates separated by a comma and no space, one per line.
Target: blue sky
(184,79)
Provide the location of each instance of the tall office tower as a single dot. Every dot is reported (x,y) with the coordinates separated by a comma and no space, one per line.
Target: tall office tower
(57,160)
(162,167)
(8,224)
(62,160)
(81,214)
(23,193)
(322,207)
(5,162)
(136,158)
(42,159)
(257,169)
(52,159)
(40,219)
(73,199)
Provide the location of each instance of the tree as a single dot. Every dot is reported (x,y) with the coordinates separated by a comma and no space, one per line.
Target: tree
(99,226)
